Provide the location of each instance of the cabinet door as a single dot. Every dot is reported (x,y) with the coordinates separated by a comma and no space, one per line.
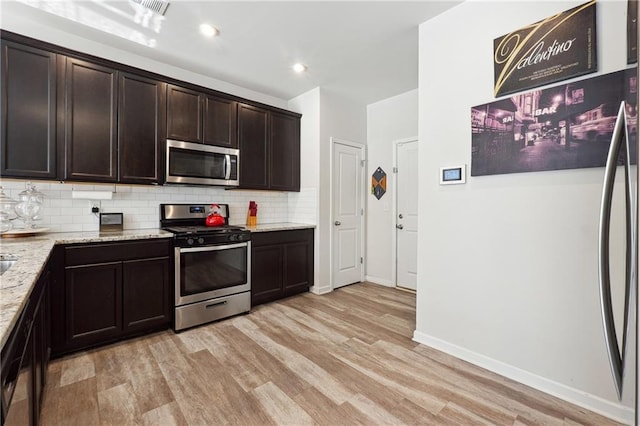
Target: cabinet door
(141,121)
(40,332)
(90,122)
(253,139)
(184,114)
(220,122)
(28,112)
(146,294)
(298,267)
(284,158)
(93,296)
(266,273)
(21,410)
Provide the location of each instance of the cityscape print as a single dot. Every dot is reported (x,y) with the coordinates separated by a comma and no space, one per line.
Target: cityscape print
(568,126)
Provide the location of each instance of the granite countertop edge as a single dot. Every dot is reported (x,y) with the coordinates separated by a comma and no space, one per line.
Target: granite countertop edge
(33,253)
(282,226)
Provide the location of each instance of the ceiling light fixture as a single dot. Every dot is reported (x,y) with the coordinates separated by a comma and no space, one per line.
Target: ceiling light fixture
(209,30)
(299,68)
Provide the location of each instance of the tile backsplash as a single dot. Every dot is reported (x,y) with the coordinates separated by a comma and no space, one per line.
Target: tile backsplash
(140,204)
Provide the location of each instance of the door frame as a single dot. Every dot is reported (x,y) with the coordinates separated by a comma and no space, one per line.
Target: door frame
(394,186)
(363,157)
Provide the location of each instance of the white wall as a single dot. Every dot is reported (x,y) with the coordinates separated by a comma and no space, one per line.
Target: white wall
(11,21)
(343,119)
(304,206)
(507,263)
(325,115)
(389,120)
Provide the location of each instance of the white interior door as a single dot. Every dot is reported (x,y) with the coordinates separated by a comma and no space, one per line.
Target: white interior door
(407,215)
(347,214)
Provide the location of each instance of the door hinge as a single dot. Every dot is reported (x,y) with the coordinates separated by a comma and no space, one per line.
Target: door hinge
(395,170)
(361,212)
(362,162)
(361,260)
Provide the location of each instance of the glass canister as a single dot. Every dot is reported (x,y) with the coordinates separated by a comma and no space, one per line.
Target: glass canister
(29,205)
(7,211)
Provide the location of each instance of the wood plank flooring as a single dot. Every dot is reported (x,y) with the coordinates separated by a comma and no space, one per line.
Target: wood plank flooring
(345,358)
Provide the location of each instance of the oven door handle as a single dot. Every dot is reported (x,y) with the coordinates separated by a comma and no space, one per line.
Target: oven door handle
(212,248)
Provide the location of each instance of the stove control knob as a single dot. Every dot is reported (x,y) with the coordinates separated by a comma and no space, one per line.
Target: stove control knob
(200,240)
(190,241)
(233,237)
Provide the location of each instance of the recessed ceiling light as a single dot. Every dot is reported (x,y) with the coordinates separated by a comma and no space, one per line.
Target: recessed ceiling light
(299,67)
(209,30)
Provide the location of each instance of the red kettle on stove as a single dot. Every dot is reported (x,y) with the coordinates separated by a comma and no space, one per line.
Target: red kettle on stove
(214,218)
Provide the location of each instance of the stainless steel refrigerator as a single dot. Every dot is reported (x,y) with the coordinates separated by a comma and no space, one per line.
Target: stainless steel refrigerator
(622,338)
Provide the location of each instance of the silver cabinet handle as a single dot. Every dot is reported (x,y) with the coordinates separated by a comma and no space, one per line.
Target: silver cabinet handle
(337,223)
(616,357)
(400,226)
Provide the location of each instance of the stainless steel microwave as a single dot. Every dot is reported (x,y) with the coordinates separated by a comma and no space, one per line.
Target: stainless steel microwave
(199,164)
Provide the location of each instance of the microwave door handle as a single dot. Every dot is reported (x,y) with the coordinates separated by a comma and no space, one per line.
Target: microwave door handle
(227,167)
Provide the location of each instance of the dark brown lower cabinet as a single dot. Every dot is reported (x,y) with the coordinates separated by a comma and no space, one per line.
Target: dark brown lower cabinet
(145,294)
(281,264)
(93,296)
(112,291)
(25,357)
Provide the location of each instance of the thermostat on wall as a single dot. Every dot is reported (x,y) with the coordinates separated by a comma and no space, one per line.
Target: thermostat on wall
(453,175)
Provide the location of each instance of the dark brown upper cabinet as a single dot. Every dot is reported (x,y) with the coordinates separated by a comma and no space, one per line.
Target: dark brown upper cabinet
(70,116)
(141,121)
(253,138)
(28,110)
(269,149)
(184,114)
(201,118)
(220,117)
(284,158)
(90,122)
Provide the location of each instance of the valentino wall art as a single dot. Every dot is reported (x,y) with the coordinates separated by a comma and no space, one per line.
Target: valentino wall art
(557,48)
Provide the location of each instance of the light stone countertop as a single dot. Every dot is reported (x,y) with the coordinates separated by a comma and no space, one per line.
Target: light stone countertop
(283,226)
(17,283)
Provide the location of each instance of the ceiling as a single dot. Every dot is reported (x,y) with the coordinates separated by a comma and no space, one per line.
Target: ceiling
(365,51)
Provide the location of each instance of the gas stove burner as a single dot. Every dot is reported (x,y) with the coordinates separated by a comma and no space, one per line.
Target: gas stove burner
(187,223)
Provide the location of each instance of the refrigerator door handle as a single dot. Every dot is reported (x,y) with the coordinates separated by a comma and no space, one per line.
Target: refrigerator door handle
(616,357)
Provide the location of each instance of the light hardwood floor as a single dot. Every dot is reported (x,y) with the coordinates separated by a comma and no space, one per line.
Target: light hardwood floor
(345,358)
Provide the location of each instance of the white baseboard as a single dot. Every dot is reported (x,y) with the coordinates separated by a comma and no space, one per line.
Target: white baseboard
(593,403)
(381,281)
(320,290)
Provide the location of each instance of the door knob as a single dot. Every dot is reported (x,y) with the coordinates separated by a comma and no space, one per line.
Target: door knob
(337,223)
(400,216)
(400,226)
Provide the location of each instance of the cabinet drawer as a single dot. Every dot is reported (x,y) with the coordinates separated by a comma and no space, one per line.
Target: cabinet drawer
(111,252)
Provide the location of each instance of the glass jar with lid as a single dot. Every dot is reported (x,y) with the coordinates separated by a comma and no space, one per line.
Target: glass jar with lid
(7,211)
(29,205)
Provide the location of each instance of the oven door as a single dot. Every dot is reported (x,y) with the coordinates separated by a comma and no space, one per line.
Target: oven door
(204,273)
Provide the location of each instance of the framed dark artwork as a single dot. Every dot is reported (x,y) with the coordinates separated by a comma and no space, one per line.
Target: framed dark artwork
(568,126)
(632,31)
(557,48)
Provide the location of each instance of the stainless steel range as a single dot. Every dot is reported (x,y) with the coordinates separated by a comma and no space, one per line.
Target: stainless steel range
(212,264)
